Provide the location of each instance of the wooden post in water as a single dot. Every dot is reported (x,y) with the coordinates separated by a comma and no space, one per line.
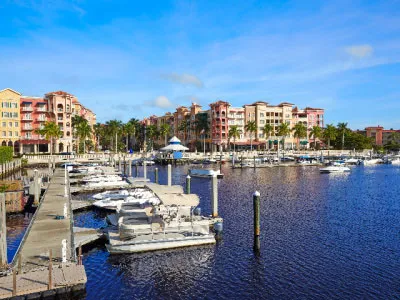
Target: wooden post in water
(129,168)
(80,255)
(188,184)
(214,195)
(256,208)
(36,187)
(156,175)
(241,162)
(145,169)
(14,292)
(169,175)
(50,285)
(119,165)
(19,263)
(3,231)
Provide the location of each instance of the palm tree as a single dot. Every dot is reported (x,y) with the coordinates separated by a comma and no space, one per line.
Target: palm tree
(113,128)
(164,131)
(98,130)
(283,131)
(316,133)
(394,137)
(267,130)
(84,131)
(152,133)
(234,132)
(342,129)
(330,134)
(135,131)
(50,131)
(183,126)
(300,131)
(76,121)
(251,127)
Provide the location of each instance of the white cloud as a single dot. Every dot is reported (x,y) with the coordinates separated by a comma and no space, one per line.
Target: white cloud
(359,51)
(162,102)
(185,79)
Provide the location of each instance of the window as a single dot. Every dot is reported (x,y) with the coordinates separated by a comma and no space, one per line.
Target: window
(16,124)
(16,133)
(4,124)
(10,133)
(262,121)
(3,133)
(262,115)
(9,124)
(260,135)
(15,115)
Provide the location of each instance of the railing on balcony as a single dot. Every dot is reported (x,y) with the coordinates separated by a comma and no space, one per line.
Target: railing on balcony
(27,128)
(27,108)
(41,119)
(59,109)
(41,109)
(26,118)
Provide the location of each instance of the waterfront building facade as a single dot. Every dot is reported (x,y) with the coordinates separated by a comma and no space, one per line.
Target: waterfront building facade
(33,112)
(381,136)
(10,124)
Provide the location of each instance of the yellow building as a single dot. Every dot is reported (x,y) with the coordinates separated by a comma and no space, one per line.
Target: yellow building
(10,125)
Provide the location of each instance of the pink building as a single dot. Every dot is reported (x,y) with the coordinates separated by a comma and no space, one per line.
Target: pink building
(33,116)
(219,124)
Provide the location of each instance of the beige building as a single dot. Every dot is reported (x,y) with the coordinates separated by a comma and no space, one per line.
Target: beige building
(10,125)
(264,113)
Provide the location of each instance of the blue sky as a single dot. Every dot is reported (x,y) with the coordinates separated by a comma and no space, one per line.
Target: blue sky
(129,59)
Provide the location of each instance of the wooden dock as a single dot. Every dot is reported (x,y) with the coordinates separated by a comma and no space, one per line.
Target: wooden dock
(50,227)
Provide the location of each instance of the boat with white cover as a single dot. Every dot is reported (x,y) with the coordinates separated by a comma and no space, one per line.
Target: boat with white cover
(334,169)
(205,173)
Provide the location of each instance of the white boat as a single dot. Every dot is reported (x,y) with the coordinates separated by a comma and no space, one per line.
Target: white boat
(205,173)
(395,160)
(113,204)
(111,194)
(370,162)
(105,184)
(334,169)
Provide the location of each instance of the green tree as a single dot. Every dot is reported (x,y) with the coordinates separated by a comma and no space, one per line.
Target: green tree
(50,131)
(151,133)
(283,131)
(84,131)
(267,130)
(76,121)
(6,154)
(251,128)
(234,132)
(113,129)
(316,133)
(330,134)
(341,130)
(299,132)
(165,129)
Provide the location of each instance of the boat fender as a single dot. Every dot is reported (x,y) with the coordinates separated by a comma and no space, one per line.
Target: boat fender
(197,211)
(218,227)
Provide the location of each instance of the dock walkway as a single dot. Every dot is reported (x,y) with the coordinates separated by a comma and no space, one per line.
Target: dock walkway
(46,233)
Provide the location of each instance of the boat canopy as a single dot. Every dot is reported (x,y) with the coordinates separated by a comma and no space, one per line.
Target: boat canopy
(179,199)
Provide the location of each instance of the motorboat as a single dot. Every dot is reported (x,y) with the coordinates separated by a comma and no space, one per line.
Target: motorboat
(105,184)
(205,173)
(111,194)
(370,162)
(112,204)
(334,169)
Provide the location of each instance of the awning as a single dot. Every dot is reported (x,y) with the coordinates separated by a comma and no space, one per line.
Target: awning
(174,147)
(254,143)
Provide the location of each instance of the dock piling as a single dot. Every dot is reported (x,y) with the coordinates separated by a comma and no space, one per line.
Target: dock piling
(214,196)
(80,255)
(144,169)
(50,285)
(254,162)
(3,231)
(119,165)
(14,292)
(36,187)
(64,251)
(129,168)
(19,263)
(156,175)
(188,184)
(256,208)
(169,175)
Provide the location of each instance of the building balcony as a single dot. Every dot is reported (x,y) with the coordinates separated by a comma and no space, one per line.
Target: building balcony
(42,109)
(24,118)
(41,120)
(60,110)
(27,108)
(27,128)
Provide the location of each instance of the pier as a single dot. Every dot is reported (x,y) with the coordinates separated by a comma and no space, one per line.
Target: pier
(46,258)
